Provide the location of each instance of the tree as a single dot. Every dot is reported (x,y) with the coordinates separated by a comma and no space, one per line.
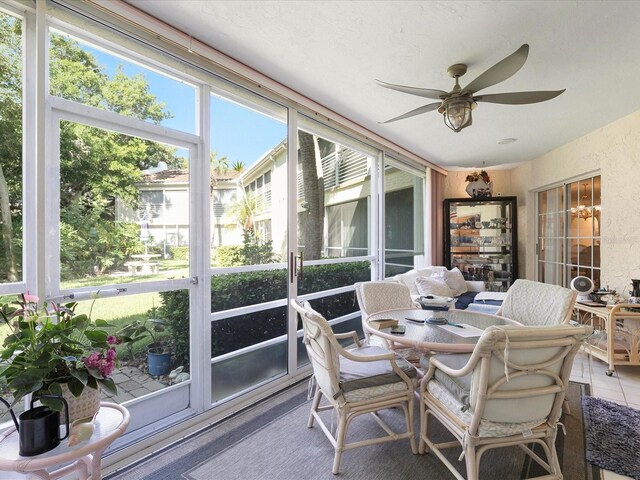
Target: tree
(218,165)
(312,219)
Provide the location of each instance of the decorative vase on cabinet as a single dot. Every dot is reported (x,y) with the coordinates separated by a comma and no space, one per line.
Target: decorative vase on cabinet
(481,239)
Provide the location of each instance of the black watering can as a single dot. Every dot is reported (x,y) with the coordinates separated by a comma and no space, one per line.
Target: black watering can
(39,428)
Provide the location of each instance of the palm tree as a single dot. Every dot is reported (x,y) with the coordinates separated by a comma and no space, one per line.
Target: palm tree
(219,165)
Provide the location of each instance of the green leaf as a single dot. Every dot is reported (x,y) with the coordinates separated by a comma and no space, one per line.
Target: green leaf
(109,385)
(94,372)
(80,374)
(53,403)
(55,389)
(29,381)
(75,387)
(96,335)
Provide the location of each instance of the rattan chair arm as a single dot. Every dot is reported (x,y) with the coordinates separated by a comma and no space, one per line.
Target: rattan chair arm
(352,334)
(366,358)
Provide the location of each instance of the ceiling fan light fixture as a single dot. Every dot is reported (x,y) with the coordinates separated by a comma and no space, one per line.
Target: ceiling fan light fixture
(457,113)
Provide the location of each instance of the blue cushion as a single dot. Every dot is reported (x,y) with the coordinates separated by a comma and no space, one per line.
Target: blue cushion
(465,299)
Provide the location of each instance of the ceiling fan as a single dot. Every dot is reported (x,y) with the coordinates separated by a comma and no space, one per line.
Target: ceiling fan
(456,105)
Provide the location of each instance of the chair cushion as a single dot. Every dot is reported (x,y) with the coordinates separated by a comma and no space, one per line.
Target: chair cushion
(409,278)
(433,286)
(360,375)
(487,428)
(455,281)
(458,387)
(483,308)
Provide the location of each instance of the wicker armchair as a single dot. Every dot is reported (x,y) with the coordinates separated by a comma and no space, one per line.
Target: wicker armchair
(374,297)
(535,303)
(509,391)
(363,379)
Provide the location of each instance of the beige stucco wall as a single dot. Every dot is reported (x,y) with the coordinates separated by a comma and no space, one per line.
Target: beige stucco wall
(614,152)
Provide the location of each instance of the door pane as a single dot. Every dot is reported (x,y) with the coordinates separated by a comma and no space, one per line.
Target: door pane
(403,217)
(248,183)
(334,192)
(124,208)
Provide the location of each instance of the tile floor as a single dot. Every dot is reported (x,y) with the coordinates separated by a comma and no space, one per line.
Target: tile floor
(622,387)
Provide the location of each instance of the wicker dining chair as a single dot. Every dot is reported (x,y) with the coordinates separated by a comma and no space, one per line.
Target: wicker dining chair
(535,303)
(509,391)
(355,381)
(374,297)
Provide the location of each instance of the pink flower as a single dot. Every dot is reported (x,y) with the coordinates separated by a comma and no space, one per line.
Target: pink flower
(98,362)
(31,298)
(113,340)
(111,354)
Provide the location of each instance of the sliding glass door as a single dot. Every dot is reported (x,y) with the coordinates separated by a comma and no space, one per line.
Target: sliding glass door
(249,248)
(334,205)
(403,218)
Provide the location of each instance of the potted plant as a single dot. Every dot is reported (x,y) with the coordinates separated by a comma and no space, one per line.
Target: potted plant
(158,352)
(51,350)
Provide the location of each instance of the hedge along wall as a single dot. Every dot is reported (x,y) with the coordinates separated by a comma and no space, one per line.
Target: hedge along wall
(249,288)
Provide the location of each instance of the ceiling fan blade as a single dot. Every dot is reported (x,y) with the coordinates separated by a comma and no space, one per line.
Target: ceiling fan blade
(518,98)
(417,111)
(500,71)
(421,92)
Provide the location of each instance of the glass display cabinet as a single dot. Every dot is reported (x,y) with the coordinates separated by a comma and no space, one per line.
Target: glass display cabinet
(480,238)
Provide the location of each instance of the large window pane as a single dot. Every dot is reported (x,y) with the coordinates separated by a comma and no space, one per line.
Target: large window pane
(248,183)
(404,218)
(124,208)
(334,191)
(11,179)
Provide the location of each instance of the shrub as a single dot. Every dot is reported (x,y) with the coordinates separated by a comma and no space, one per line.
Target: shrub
(227,256)
(179,253)
(235,290)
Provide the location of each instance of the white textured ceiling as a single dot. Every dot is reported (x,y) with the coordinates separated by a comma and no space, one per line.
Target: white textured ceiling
(331,52)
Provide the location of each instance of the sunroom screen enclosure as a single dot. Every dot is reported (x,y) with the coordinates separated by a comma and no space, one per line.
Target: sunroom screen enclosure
(157,189)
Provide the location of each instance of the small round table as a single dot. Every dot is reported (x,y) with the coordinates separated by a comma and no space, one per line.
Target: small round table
(111,422)
(425,337)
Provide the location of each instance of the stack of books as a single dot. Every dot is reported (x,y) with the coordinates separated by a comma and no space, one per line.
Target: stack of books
(383,323)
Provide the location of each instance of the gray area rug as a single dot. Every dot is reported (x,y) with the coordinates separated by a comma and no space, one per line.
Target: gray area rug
(613,436)
(271,441)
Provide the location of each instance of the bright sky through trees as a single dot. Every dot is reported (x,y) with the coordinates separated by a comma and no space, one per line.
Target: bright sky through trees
(238,133)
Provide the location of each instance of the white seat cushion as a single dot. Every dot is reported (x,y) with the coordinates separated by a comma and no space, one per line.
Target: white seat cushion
(364,380)
(487,428)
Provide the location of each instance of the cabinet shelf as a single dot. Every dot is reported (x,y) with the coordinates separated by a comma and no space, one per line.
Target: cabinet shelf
(480,239)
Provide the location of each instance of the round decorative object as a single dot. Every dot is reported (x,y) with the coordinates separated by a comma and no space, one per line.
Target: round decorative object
(479,189)
(86,405)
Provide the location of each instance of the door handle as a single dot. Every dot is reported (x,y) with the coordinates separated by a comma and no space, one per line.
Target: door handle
(296,269)
(301,274)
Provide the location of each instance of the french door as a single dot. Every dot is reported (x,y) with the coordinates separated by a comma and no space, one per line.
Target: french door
(569,232)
